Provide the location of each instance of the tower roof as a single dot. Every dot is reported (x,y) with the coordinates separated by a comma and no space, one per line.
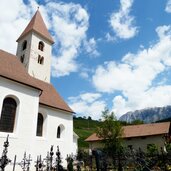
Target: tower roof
(37,24)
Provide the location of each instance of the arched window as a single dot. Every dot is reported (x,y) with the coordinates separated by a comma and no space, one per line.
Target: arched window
(59,132)
(24,45)
(39,125)
(40,60)
(7,118)
(41,46)
(22,58)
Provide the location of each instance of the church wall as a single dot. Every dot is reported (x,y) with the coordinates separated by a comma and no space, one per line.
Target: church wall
(27,99)
(24,137)
(53,119)
(75,144)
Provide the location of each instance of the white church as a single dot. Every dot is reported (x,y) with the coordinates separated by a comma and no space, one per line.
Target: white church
(31,111)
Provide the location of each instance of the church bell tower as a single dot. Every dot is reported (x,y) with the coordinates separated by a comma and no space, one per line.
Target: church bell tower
(34,48)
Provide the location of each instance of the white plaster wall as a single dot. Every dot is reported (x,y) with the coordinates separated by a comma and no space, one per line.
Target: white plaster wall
(25,52)
(54,118)
(24,137)
(75,145)
(40,71)
(27,99)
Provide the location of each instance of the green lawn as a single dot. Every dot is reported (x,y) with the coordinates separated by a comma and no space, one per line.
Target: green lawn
(84,128)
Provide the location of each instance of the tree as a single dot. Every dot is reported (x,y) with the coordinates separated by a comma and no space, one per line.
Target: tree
(137,122)
(110,131)
(89,118)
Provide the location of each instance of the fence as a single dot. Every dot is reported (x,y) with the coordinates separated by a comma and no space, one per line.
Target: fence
(52,162)
(126,160)
(129,160)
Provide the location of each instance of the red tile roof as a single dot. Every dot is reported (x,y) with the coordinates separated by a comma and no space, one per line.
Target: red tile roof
(11,68)
(139,131)
(37,24)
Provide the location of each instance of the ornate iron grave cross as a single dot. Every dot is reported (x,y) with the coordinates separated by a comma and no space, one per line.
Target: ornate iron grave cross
(39,164)
(4,160)
(49,159)
(25,162)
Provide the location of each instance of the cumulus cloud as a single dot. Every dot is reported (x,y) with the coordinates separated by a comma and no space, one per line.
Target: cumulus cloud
(135,76)
(168,6)
(14,15)
(70,23)
(88,104)
(91,47)
(122,23)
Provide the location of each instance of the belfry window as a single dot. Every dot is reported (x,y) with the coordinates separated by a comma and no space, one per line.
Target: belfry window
(40,60)
(7,118)
(24,46)
(40,120)
(41,46)
(22,59)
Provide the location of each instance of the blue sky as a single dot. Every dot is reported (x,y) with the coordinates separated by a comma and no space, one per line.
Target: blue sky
(114,54)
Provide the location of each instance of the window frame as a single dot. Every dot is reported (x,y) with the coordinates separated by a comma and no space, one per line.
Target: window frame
(41,46)
(60,131)
(22,58)
(40,60)
(24,45)
(39,128)
(3,117)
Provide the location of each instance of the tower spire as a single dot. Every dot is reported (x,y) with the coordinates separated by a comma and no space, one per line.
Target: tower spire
(37,25)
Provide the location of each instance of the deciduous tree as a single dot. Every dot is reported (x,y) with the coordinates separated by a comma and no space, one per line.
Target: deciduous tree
(110,130)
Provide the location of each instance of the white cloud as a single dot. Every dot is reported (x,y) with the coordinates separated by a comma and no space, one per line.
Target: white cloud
(135,76)
(70,23)
(14,20)
(88,104)
(122,22)
(91,47)
(14,15)
(110,38)
(168,6)
(84,75)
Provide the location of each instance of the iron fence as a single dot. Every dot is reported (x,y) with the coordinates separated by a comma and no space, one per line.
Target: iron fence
(125,160)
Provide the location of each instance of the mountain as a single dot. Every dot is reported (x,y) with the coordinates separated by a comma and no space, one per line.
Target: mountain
(148,115)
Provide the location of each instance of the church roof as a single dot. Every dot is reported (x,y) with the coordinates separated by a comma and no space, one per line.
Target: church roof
(11,68)
(37,24)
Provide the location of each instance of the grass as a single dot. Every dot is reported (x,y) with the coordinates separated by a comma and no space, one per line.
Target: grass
(83,134)
(84,128)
